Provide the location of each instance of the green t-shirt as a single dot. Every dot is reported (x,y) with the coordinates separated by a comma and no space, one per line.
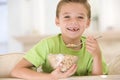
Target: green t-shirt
(54,45)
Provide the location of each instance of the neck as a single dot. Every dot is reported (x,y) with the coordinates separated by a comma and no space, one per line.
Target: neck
(71,41)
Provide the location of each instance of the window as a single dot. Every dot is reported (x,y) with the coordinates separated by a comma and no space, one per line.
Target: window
(3,26)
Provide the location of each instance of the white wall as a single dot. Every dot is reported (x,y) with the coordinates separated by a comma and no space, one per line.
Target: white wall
(14,18)
(25,16)
(3,21)
(117,13)
(109,14)
(4,36)
(50,12)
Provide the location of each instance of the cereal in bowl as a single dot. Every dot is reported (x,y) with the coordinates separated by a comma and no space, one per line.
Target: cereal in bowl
(63,60)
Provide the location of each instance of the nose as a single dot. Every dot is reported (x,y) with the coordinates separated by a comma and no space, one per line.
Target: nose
(74,21)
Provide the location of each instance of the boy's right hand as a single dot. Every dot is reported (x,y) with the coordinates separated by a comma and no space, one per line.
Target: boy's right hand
(57,74)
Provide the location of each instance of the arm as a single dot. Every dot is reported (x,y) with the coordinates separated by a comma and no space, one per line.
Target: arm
(97,66)
(22,70)
(93,47)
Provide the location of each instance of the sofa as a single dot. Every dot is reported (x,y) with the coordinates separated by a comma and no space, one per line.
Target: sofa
(8,61)
(114,66)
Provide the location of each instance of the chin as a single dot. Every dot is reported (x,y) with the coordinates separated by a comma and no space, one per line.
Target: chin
(74,37)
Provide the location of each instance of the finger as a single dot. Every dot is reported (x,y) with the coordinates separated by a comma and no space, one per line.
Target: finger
(91,46)
(91,50)
(57,73)
(91,40)
(72,70)
(58,69)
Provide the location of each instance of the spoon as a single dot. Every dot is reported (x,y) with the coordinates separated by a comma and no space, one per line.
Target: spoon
(77,45)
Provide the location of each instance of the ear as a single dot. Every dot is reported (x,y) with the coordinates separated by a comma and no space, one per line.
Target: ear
(88,23)
(57,21)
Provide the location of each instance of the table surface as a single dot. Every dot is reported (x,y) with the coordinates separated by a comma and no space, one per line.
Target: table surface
(101,77)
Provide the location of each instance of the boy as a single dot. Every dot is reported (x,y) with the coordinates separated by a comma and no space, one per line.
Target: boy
(73,17)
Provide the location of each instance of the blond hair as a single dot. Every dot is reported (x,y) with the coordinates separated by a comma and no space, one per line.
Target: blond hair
(84,2)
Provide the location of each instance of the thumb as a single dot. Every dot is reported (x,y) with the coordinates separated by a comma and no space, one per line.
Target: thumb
(58,69)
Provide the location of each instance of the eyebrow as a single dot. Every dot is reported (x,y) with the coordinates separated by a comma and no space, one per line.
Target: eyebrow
(78,13)
(82,14)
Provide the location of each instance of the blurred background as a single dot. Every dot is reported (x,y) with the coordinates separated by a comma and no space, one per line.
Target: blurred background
(25,22)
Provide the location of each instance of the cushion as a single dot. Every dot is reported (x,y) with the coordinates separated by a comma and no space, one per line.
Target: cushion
(114,66)
(7,63)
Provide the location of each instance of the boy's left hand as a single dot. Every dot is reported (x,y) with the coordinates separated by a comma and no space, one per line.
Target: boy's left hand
(57,74)
(92,46)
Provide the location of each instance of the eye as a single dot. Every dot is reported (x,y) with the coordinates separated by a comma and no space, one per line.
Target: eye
(66,16)
(80,17)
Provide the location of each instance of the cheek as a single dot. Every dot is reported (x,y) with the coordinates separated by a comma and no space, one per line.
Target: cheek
(84,24)
(62,24)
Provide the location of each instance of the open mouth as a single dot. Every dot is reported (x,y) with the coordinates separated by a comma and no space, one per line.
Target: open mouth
(73,29)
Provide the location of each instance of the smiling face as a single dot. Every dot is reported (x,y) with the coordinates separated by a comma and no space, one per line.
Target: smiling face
(72,20)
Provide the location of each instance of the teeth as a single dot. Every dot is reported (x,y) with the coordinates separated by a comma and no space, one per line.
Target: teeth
(73,29)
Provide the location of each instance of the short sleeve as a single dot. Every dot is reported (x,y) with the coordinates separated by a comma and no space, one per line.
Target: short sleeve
(37,54)
(89,67)
(104,67)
